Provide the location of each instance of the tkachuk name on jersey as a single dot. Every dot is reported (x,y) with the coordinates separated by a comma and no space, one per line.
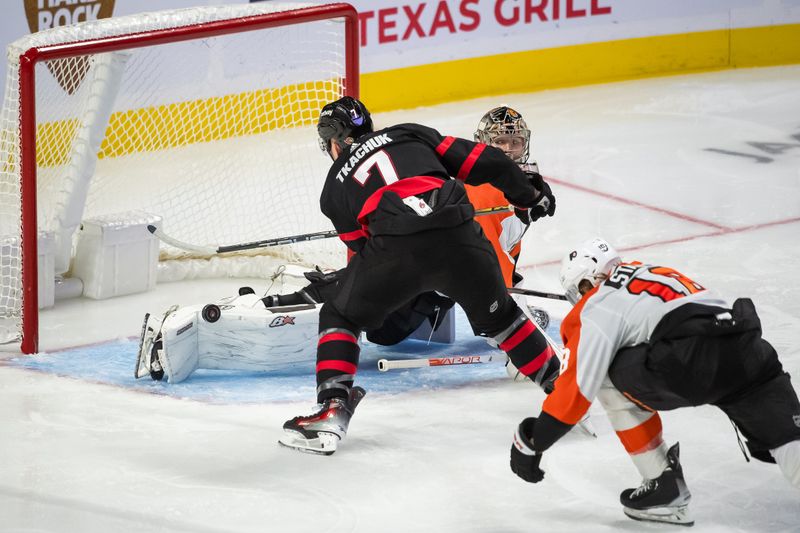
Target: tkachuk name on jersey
(362,150)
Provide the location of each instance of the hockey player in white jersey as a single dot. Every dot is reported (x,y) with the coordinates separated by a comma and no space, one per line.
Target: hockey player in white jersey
(643,338)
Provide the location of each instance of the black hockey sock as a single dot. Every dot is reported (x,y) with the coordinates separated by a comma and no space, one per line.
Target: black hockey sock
(337,363)
(525,346)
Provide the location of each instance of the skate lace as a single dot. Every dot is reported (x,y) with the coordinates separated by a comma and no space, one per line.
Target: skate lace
(321,408)
(648,485)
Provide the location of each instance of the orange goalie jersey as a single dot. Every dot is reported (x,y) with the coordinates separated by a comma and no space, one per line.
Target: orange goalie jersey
(485,197)
(504,230)
(621,312)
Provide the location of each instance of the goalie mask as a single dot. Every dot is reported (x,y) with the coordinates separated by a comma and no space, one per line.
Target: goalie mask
(504,128)
(592,261)
(342,121)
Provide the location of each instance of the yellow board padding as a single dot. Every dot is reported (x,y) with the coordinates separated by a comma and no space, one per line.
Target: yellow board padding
(180,124)
(580,65)
(765,46)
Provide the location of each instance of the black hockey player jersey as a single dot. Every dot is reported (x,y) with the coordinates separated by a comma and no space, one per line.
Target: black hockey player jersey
(365,186)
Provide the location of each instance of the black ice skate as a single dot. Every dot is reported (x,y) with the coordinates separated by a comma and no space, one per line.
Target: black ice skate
(664,499)
(321,432)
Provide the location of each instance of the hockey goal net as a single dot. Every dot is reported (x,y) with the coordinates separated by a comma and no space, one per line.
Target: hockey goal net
(203,117)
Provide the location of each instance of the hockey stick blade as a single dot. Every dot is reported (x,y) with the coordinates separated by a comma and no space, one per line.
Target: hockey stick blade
(539,294)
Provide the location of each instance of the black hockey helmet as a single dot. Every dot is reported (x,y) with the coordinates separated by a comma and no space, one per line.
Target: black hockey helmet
(343,121)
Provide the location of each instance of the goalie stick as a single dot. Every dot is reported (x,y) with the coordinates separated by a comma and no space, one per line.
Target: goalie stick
(212,250)
(384,365)
(267,243)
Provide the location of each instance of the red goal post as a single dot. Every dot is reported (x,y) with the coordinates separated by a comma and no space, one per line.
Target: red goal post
(22,304)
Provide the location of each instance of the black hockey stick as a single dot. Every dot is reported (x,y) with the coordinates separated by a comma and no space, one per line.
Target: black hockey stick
(267,243)
(540,294)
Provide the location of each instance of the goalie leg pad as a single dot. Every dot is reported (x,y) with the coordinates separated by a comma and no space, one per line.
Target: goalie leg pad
(178,353)
(147,361)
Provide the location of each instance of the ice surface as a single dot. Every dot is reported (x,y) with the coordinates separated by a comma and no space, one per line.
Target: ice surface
(699,172)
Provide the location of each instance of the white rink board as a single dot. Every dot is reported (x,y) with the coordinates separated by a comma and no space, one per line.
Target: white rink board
(398,33)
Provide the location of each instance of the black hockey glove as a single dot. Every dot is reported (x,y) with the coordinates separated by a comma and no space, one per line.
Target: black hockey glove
(543,206)
(323,285)
(524,460)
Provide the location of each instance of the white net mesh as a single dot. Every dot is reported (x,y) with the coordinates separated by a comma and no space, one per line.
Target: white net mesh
(216,135)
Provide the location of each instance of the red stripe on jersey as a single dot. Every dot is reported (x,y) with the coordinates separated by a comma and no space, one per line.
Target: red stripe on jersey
(353,235)
(537,362)
(444,145)
(343,366)
(473,156)
(521,334)
(642,438)
(403,188)
(332,337)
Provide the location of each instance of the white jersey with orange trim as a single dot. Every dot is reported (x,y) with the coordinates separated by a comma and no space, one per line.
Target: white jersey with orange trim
(619,313)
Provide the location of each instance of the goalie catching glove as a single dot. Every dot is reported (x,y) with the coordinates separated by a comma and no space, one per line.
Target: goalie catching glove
(524,459)
(544,204)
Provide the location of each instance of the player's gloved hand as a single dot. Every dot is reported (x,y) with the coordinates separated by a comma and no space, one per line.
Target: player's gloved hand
(544,205)
(524,460)
(319,277)
(524,214)
(546,376)
(323,284)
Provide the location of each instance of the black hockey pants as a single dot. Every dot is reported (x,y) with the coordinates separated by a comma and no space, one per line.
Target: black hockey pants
(704,360)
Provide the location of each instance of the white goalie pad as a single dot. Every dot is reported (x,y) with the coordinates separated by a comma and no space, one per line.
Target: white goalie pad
(179,333)
(244,336)
(259,338)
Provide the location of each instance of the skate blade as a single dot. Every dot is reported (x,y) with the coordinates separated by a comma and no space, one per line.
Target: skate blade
(679,516)
(323,444)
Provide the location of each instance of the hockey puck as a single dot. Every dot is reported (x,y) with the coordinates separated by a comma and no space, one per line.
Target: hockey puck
(211,313)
